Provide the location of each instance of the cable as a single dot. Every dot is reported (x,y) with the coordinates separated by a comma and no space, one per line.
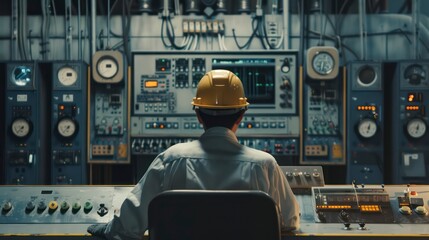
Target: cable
(162,34)
(171,36)
(247,44)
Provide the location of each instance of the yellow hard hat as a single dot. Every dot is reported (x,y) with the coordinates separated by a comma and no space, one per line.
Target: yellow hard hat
(220,89)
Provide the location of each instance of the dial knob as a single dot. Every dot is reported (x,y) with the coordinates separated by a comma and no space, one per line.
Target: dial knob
(414,74)
(416,128)
(367,128)
(21,76)
(107,67)
(21,128)
(323,63)
(67,76)
(67,127)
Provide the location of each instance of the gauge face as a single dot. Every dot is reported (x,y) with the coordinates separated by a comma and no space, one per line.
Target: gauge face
(323,63)
(107,67)
(67,76)
(414,74)
(67,127)
(21,76)
(416,128)
(367,76)
(21,128)
(367,128)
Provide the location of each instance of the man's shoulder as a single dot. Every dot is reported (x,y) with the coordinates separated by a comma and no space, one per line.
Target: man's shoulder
(258,155)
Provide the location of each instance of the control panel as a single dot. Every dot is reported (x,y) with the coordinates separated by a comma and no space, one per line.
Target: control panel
(410,138)
(365,123)
(362,204)
(166,82)
(36,209)
(69,122)
(322,135)
(25,124)
(109,109)
(302,178)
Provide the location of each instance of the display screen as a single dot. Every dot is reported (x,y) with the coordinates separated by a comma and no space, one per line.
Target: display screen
(151,84)
(257,75)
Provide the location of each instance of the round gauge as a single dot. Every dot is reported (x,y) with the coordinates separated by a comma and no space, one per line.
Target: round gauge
(414,74)
(366,76)
(21,76)
(416,128)
(67,127)
(367,128)
(323,63)
(21,128)
(67,76)
(107,67)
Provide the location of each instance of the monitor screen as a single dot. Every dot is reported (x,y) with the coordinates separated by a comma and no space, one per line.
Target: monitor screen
(257,75)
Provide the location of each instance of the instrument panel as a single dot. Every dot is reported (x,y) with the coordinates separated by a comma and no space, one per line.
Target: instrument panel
(327,211)
(165,83)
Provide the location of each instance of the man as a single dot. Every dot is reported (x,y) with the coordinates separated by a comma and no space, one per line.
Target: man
(216,161)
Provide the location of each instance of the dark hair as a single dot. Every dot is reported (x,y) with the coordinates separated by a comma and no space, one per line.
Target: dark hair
(220,120)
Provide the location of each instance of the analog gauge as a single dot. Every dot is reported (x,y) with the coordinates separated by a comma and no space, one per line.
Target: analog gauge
(414,74)
(107,67)
(67,127)
(21,128)
(67,76)
(21,76)
(416,128)
(367,128)
(323,63)
(367,76)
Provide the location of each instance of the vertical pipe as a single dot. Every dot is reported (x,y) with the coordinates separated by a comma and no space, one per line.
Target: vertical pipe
(79,35)
(93,32)
(416,22)
(362,27)
(165,10)
(68,29)
(108,24)
(14,30)
(286,19)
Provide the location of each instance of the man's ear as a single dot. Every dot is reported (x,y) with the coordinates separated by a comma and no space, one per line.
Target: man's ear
(197,112)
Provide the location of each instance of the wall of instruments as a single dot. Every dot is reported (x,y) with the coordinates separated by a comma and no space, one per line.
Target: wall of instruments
(61,115)
(327,211)
(44,128)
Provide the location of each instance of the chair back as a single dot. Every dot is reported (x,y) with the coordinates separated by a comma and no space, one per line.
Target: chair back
(207,215)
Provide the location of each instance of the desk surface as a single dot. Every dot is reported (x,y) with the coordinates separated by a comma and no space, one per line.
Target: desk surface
(17,224)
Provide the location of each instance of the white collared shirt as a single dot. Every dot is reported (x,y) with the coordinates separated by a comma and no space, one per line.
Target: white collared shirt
(214,162)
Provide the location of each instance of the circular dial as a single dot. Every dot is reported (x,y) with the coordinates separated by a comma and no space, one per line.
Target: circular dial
(67,76)
(416,128)
(21,128)
(323,63)
(414,74)
(107,67)
(367,76)
(21,76)
(367,128)
(67,127)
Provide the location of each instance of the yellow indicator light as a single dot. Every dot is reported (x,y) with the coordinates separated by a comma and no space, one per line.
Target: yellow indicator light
(334,207)
(367,108)
(370,208)
(412,108)
(151,84)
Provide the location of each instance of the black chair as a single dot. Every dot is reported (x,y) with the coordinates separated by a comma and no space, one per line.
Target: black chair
(207,215)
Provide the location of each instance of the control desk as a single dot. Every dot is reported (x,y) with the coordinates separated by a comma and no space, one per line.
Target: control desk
(327,211)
